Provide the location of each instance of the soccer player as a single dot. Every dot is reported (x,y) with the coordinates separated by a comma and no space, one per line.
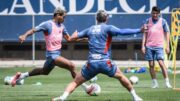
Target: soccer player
(99,60)
(54,31)
(153,44)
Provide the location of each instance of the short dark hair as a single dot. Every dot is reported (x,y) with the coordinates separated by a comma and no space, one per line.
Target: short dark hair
(101,16)
(59,11)
(156,9)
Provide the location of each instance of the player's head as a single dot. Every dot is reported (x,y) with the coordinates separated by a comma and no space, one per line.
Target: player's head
(59,14)
(155,13)
(101,16)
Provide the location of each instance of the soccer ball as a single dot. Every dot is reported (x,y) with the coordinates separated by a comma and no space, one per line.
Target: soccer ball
(8,80)
(94,89)
(134,79)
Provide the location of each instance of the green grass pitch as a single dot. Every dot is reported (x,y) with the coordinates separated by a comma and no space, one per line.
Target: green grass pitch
(111,90)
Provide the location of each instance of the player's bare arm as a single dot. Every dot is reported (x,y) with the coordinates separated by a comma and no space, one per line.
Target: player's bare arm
(67,37)
(167,36)
(81,39)
(74,37)
(143,49)
(23,37)
(144,29)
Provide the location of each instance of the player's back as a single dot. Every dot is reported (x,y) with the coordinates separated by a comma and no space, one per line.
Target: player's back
(99,42)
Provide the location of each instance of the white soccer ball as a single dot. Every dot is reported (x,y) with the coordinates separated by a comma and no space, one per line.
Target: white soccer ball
(94,89)
(134,79)
(8,80)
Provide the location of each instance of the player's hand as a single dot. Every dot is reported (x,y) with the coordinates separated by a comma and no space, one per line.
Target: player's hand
(74,36)
(75,33)
(22,38)
(144,28)
(143,49)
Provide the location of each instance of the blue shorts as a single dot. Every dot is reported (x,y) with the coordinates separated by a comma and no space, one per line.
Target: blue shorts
(92,68)
(50,57)
(154,53)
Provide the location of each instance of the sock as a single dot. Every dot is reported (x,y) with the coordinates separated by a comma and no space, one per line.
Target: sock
(84,86)
(65,95)
(24,75)
(133,93)
(167,80)
(155,81)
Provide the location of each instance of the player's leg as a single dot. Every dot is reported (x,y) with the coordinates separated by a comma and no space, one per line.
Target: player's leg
(47,68)
(165,73)
(87,73)
(65,63)
(151,69)
(123,80)
(110,69)
(153,74)
(79,79)
(150,56)
(160,58)
(163,68)
(126,83)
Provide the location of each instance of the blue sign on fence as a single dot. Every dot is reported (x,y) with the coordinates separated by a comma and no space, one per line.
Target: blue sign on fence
(16,16)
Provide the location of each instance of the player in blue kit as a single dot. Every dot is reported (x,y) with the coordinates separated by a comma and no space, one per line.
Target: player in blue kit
(99,60)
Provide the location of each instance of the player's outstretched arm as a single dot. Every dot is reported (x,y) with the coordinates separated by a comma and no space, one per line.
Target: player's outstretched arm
(127,31)
(23,37)
(67,37)
(70,38)
(80,36)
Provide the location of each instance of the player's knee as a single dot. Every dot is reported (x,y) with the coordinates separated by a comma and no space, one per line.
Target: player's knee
(118,75)
(121,77)
(151,65)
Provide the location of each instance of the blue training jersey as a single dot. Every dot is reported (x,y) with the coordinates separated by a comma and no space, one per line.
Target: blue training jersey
(100,37)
